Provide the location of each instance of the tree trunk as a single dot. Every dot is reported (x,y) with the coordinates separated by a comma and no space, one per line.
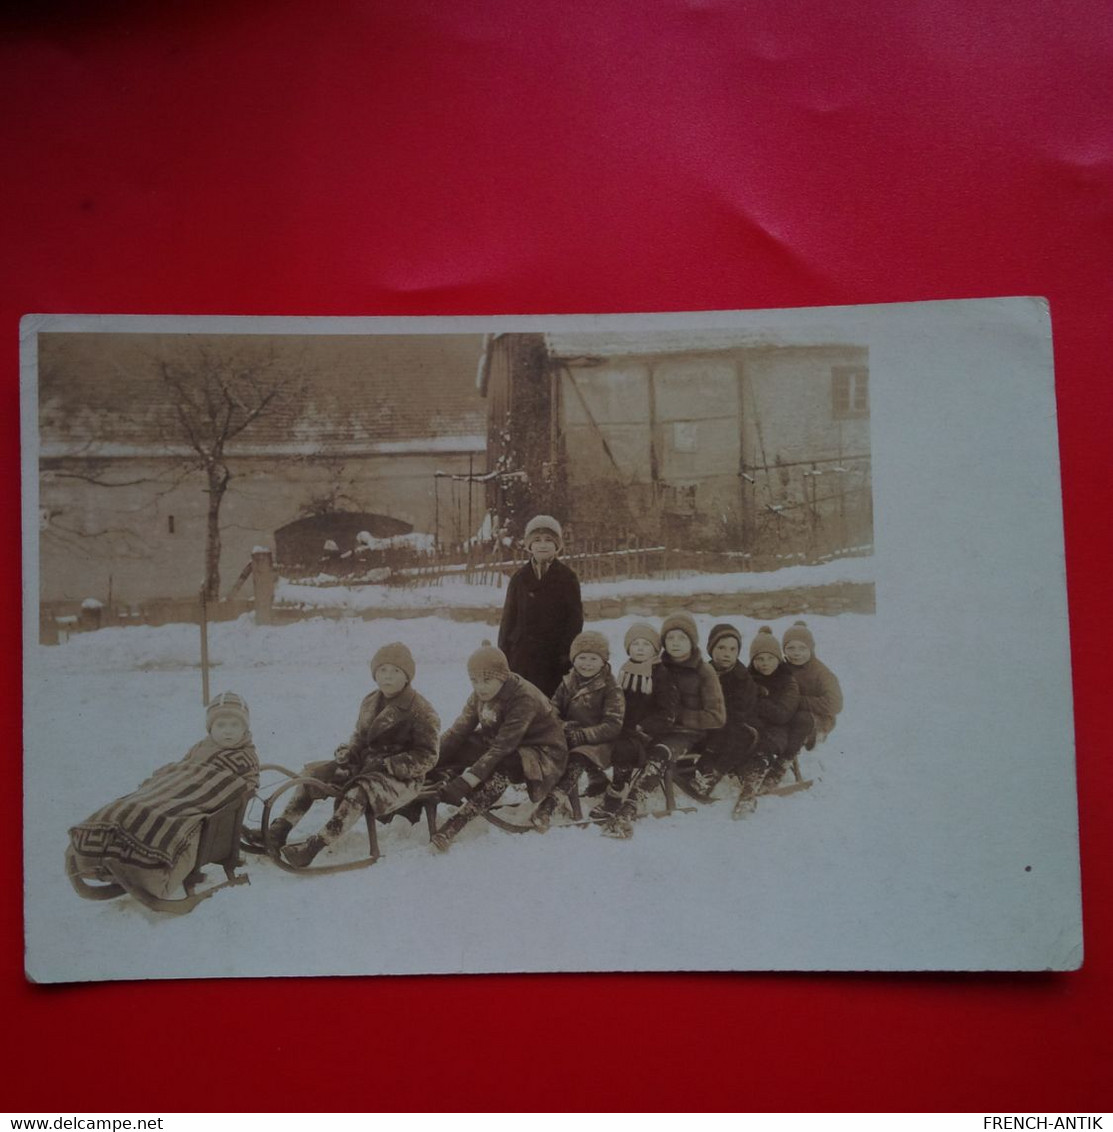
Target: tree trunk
(218,483)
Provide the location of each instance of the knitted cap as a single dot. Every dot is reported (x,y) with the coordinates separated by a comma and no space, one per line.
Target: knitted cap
(718,632)
(800,632)
(590,641)
(685,623)
(487,662)
(764,641)
(227,703)
(546,524)
(642,630)
(397,654)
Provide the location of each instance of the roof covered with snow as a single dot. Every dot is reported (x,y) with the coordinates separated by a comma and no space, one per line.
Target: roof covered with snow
(105,394)
(691,341)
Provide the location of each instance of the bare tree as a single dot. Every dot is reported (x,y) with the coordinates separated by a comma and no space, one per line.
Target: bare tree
(216,393)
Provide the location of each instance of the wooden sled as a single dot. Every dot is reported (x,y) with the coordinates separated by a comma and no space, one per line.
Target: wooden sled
(427,797)
(218,844)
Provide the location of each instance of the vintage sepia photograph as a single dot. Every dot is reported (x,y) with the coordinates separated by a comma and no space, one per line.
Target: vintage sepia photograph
(569,643)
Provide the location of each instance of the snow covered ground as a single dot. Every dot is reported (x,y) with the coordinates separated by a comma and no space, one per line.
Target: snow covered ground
(843,875)
(464,594)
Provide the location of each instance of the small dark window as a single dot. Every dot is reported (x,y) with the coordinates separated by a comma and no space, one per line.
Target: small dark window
(170,523)
(850,391)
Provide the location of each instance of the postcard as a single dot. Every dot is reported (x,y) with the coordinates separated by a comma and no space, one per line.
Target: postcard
(692,641)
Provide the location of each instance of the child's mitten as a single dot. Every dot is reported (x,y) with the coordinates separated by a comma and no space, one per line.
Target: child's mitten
(455,791)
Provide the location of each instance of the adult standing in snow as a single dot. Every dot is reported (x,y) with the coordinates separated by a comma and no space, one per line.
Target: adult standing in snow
(543,613)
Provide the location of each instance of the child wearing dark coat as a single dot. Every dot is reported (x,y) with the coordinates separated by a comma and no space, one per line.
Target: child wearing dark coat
(381,768)
(651,703)
(590,703)
(820,693)
(543,612)
(507,733)
(730,749)
(778,699)
(700,710)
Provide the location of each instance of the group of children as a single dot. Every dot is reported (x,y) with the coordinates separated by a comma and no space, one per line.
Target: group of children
(546,710)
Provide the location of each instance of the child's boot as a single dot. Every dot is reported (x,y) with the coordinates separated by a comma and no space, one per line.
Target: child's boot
(745,806)
(775,775)
(441,841)
(542,816)
(621,824)
(751,782)
(597,782)
(301,856)
(278,832)
(606,809)
(704,782)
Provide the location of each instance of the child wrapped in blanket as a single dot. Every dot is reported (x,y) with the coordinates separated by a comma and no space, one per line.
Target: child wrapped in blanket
(150,836)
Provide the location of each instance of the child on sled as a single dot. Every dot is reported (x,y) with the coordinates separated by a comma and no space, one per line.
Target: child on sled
(591,706)
(778,699)
(508,732)
(651,703)
(381,768)
(820,693)
(730,749)
(148,840)
(543,612)
(700,710)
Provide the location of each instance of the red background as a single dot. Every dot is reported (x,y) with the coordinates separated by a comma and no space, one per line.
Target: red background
(562,156)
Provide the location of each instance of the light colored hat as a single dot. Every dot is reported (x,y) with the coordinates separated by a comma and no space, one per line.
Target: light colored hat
(642,630)
(764,641)
(397,654)
(227,703)
(590,641)
(800,632)
(543,523)
(487,662)
(685,622)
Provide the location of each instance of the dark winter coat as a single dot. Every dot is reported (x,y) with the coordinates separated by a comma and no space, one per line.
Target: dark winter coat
(391,750)
(820,693)
(701,697)
(740,697)
(778,699)
(540,618)
(655,712)
(595,708)
(519,719)
(396,736)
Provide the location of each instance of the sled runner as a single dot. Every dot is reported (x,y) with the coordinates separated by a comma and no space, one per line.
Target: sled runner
(799,782)
(260,841)
(680,775)
(218,842)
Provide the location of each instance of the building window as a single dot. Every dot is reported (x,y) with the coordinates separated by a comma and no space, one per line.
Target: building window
(170,524)
(850,391)
(685,436)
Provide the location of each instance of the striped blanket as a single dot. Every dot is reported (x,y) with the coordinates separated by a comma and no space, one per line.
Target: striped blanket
(155,826)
